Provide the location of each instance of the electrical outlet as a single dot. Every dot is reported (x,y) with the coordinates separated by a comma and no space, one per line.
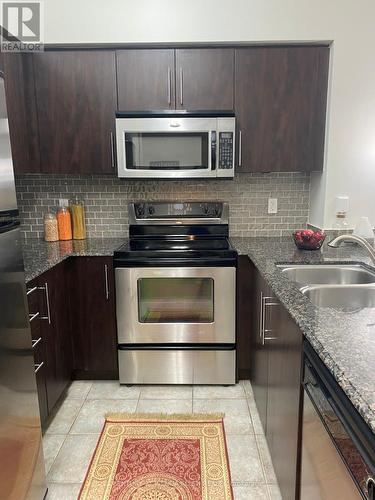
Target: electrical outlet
(63,202)
(272,205)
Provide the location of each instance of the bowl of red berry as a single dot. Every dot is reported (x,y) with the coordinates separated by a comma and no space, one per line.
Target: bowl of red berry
(307,239)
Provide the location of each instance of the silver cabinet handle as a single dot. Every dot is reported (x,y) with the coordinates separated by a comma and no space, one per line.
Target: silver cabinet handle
(264,330)
(112,145)
(35,342)
(106,281)
(181,86)
(38,366)
(48,317)
(261,317)
(31,290)
(169,86)
(240,148)
(33,316)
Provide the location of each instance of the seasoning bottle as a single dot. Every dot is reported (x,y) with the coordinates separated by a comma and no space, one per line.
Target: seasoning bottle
(51,232)
(77,209)
(64,223)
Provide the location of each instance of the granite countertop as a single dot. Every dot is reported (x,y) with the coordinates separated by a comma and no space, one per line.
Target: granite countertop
(40,256)
(345,341)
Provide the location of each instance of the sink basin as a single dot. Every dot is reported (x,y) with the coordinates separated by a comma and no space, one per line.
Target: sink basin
(328,274)
(349,298)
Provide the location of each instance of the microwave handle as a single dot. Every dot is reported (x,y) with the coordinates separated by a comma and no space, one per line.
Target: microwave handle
(213,149)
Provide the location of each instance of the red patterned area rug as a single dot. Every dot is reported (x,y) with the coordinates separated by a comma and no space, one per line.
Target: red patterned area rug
(159,457)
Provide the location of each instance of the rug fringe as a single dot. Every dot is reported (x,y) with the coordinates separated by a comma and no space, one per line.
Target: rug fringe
(164,416)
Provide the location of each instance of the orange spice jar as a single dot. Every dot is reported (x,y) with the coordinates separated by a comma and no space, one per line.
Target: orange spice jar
(64,223)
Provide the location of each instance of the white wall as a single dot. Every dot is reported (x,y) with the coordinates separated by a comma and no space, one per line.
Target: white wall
(350,147)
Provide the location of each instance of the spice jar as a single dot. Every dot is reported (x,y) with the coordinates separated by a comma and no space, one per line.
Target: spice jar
(64,224)
(51,232)
(77,209)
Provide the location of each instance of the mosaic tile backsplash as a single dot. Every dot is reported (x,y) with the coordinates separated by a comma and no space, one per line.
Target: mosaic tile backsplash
(106,199)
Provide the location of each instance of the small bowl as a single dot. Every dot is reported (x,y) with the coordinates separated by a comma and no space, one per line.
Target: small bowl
(307,239)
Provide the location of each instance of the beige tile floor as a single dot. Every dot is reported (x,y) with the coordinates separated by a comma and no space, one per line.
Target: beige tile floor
(71,437)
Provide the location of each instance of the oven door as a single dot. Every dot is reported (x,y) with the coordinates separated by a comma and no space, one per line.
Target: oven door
(166,147)
(190,305)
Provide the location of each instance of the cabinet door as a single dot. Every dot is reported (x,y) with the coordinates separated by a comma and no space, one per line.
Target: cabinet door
(245,315)
(204,79)
(284,399)
(22,114)
(259,351)
(93,317)
(76,103)
(281,107)
(145,79)
(56,332)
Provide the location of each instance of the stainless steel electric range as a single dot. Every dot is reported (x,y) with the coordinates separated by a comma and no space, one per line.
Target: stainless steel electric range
(176,295)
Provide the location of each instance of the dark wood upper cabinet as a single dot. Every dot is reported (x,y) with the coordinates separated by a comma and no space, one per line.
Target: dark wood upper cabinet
(205,79)
(93,317)
(76,104)
(22,114)
(280,106)
(145,79)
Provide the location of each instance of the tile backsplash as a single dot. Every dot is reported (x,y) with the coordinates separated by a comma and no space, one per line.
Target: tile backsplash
(106,199)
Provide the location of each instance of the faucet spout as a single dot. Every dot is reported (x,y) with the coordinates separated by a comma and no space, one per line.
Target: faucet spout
(336,242)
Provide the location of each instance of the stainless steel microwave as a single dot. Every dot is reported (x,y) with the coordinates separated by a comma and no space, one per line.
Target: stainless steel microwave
(175,144)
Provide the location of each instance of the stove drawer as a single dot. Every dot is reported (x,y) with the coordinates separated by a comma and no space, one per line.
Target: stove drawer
(175,366)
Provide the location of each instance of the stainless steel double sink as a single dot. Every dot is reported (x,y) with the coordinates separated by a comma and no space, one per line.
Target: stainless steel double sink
(342,286)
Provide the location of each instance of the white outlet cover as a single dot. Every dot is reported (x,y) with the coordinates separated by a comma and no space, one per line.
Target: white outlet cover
(63,202)
(272,205)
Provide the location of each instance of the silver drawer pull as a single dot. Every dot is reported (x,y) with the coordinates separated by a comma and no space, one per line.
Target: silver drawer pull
(33,316)
(35,342)
(38,366)
(31,290)
(46,291)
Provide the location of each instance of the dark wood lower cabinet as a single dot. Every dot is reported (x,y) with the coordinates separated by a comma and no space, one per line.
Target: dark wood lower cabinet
(55,331)
(50,334)
(283,399)
(245,312)
(275,361)
(93,317)
(73,326)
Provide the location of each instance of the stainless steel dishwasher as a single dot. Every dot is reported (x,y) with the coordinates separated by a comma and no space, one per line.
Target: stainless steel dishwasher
(338,448)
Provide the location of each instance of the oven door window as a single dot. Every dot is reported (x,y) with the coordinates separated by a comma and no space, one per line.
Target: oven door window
(176,300)
(167,150)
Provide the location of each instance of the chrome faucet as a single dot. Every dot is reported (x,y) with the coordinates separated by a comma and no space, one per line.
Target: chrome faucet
(336,242)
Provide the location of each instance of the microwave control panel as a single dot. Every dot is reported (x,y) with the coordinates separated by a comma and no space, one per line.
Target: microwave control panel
(225,150)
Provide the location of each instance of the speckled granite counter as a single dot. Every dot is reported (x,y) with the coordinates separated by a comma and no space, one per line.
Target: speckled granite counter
(344,341)
(40,256)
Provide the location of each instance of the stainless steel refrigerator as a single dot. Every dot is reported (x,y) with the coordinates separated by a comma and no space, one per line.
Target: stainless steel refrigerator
(22,474)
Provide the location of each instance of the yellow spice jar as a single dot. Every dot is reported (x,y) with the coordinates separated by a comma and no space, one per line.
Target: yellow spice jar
(77,210)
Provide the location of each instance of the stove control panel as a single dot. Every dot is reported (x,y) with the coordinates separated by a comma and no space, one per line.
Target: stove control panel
(176,210)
